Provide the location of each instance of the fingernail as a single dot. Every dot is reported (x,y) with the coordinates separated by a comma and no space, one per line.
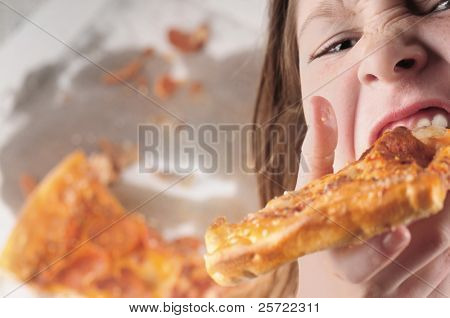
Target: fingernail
(392,241)
(326,116)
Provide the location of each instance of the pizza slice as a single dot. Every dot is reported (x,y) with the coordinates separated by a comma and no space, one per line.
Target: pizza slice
(74,238)
(403,177)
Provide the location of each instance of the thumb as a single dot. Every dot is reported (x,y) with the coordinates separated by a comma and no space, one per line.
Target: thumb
(317,154)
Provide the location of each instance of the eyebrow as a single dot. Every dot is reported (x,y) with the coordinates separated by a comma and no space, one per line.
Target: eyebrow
(326,9)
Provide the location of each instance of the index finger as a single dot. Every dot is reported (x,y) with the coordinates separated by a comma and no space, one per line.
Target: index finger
(317,155)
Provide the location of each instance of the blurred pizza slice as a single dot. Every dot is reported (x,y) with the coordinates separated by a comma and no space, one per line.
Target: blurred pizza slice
(74,237)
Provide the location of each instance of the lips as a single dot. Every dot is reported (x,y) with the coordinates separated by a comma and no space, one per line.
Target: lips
(432,116)
(422,114)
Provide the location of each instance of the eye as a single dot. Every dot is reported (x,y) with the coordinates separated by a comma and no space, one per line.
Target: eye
(442,6)
(341,46)
(423,8)
(335,47)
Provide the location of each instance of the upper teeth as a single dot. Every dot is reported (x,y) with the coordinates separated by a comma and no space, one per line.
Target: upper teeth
(438,120)
(423,122)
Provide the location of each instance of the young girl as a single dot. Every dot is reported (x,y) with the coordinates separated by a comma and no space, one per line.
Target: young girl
(348,70)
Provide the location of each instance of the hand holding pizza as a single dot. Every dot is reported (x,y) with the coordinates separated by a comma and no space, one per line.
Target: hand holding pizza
(406,262)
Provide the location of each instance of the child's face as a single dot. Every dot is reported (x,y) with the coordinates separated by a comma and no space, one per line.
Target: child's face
(379,62)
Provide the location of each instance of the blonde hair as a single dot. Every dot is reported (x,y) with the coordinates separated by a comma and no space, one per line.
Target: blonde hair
(279,103)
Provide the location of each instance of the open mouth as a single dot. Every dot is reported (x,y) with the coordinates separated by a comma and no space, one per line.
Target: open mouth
(430,116)
(422,114)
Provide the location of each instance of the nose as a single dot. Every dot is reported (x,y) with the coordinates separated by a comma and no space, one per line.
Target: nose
(392,62)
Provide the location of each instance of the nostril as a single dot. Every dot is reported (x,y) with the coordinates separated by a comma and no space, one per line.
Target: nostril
(405,64)
(370,78)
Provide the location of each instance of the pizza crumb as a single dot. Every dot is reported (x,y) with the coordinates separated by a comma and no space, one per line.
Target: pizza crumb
(131,71)
(27,184)
(142,84)
(165,86)
(195,88)
(148,52)
(125,73)
(189,42)
(121,156)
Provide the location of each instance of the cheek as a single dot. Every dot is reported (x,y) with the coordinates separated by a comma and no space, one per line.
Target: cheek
(323,76)
(334,76)
(435,33)
(340,87)
(335,82)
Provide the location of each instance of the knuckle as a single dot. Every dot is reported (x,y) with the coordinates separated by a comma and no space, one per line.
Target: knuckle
(350,275)
(447,258)
(440,239)
(403,292)
(374,290)
(356,277)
